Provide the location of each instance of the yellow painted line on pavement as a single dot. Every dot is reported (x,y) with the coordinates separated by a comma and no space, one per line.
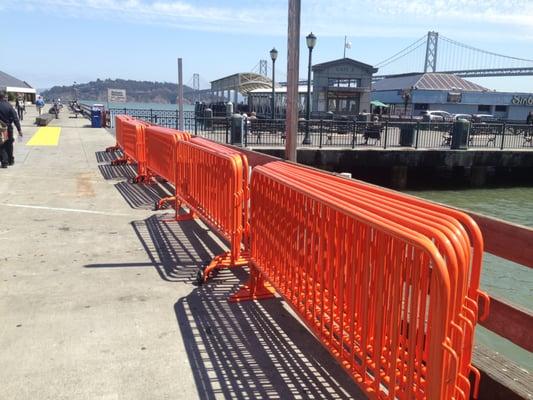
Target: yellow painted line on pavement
(45,136)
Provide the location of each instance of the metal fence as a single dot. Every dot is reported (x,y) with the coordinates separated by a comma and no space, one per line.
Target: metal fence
(340,133)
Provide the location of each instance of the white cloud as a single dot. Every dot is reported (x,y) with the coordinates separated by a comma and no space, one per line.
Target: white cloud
(386,18)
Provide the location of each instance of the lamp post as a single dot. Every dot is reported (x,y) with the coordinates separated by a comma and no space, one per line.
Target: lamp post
(273,56)
(75,91)
(406,96)
(311,42)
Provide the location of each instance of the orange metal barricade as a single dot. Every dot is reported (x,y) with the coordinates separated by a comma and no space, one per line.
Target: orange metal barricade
(211,183)
(438,227)
(161,146)
(376,293)
(471,301)
(118,133)
(245,178)
(134,147)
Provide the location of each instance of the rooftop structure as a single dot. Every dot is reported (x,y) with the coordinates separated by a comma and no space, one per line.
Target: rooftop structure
(242,82)
(10,84)
(427,81)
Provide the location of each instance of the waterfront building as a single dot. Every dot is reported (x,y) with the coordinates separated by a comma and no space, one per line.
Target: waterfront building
(259,100)
(410,94)
(342,86)
(10,84)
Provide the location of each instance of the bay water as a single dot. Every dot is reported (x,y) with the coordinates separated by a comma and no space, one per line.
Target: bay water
(499,277)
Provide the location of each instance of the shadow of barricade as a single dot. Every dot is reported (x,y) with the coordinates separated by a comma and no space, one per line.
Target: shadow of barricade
(254,350)
(106,156)
(177,250)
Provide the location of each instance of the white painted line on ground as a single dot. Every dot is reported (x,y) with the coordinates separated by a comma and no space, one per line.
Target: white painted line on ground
(75,210)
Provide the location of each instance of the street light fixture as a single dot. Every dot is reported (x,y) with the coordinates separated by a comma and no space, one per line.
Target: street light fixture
(273,56)
(311,43)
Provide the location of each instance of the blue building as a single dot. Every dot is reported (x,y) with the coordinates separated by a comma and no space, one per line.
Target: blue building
(410,94)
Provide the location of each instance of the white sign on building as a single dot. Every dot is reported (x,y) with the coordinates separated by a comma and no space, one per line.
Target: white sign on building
(116,95)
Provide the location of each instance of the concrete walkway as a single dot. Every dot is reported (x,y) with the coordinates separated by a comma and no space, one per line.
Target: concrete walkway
(97,300)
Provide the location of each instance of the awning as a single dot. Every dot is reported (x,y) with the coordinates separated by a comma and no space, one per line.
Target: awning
(13,89)
(377,103)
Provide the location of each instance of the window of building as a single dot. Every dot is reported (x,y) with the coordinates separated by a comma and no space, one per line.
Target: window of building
(421,106)
(344,82)
(500,109)
(342,104)
(483,108)
(454,97)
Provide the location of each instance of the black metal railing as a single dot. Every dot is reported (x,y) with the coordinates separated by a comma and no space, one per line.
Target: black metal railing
(320,133)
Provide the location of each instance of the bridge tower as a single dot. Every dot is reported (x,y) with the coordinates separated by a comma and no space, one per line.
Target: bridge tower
(263,67)
(431,52)
(196,86)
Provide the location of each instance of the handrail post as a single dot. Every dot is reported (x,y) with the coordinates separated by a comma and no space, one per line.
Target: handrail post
(320,135)
(417,134)
(385,137)
(503,136)
(195,126)
(177,118)
(151,116)
(353,134)
(227,130)
(245,139)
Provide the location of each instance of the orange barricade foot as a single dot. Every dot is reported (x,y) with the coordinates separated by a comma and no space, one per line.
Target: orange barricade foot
(141,179)
(163,202)
(224,260)
(181,217)
(185,217)
(120,161)
(256,288)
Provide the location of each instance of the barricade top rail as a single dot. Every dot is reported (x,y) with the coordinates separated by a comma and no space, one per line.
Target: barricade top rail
(282,263)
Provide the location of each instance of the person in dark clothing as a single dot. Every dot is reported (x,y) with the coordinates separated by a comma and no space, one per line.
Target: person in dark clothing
(529,119)
(8,116)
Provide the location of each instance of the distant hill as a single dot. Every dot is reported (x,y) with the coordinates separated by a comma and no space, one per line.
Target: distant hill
(136,91)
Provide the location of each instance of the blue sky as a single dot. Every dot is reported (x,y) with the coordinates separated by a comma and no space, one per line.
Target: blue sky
(51,42)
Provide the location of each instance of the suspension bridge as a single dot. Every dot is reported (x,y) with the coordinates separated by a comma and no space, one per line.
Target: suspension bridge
(437,53)
(432,52)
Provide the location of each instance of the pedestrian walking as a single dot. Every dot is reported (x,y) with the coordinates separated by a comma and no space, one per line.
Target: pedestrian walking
(39,103)
(8,116)
(529,119)
(21,107)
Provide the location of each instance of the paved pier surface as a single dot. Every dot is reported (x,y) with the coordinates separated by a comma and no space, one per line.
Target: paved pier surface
(97,300)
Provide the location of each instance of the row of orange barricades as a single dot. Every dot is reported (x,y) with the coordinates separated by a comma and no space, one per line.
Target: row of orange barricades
(388,282)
